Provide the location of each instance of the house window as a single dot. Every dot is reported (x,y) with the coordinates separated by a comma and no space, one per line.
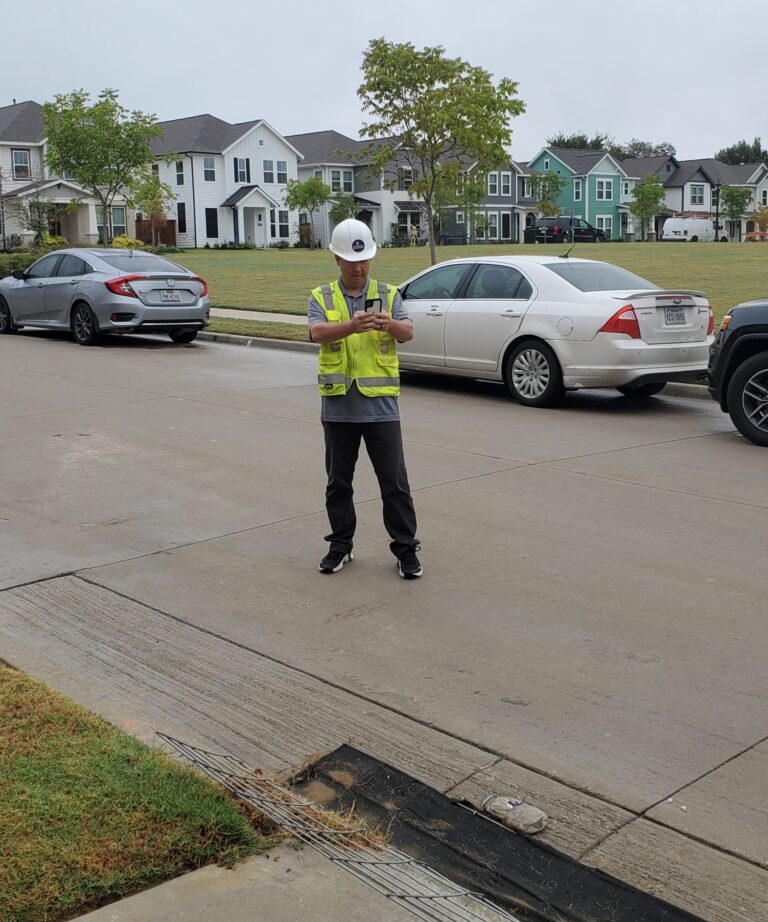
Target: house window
(319,174)
(506,184)
(577,190)
(21,168)
(406,178)
(526,188)
(179,172)
(546,164)
(209,169)
(181,217)
(119,226)
(242,169)
(697,195)
(625,187)
(493,184)
(211,222)
(341,180)
(269,171)
(493,225)
(282,171)
(764,197)
(155,170)
(459,217)
(261,142)
(480,226)
(604,190)
(282,224)
(605,223)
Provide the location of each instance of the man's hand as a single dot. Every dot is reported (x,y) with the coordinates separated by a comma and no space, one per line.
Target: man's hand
(362,322)
(381,321)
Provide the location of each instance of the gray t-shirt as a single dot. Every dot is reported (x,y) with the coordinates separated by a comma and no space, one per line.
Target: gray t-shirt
(354,407)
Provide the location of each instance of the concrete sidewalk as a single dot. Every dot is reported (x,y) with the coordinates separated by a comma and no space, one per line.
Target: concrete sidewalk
(233,314)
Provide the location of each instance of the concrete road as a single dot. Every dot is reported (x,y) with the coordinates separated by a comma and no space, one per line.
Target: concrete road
(590,627)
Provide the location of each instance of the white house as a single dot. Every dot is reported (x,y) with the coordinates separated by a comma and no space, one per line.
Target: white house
(229,181)
(24,176)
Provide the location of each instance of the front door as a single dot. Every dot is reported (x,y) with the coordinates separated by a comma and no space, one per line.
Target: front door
(506,225)
(428,299)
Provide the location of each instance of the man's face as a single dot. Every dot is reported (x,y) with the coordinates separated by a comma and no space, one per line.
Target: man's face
(353,274)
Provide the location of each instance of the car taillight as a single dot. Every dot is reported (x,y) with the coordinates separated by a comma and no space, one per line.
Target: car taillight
(122,285)
(711,321)
(204,292)
(623,321)
(555,229)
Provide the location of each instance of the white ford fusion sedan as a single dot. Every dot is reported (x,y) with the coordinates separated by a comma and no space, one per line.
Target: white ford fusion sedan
(547,324)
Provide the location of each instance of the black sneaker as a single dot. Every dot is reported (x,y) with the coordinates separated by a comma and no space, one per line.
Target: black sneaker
(334,561)
(408,565)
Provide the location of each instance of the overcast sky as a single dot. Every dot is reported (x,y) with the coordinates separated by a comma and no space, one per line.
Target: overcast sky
(692,72)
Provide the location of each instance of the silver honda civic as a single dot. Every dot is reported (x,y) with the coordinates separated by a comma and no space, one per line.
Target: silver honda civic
(92,292)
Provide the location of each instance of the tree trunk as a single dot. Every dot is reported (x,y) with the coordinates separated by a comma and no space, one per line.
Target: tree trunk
(431,230)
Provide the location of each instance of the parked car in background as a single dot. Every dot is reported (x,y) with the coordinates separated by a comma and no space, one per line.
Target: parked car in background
(547,324)
(691,230)
(738,369)
(567,230)
(92,292)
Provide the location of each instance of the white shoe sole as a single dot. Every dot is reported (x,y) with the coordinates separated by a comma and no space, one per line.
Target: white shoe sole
(345,559)
(407,575)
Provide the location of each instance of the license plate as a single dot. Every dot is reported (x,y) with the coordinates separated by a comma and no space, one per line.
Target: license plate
(170,296)
(674,316)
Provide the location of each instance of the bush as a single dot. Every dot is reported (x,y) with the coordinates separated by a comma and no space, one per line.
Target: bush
(279,245)
(54,242)
(231,245)
(162,248)
(126,243)
(11,261)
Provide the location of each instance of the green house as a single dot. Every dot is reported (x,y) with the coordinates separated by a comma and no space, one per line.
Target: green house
(598,190)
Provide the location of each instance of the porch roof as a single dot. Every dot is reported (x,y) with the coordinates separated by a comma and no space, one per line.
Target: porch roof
(245,192)
(409,206)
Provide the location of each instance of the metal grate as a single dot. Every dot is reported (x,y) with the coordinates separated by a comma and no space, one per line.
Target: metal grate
(404,880)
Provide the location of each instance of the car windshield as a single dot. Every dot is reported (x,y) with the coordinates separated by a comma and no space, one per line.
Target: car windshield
(589,276)
(129,261)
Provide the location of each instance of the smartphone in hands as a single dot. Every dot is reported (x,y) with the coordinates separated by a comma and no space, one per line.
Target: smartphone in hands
(373,305)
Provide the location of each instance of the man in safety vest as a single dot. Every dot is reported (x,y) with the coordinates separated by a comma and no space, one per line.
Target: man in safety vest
(358,322)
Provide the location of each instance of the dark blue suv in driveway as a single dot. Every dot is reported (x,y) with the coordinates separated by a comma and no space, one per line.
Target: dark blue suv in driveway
(738,369)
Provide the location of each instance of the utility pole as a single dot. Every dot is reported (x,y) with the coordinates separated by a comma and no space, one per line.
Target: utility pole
(2,211)
(717,212)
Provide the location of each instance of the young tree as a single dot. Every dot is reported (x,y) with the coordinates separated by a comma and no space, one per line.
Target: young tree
(469,197)
(734,201)
(151,197)
(309,196)
(760,218)
(433,109)
(102,145)
(344,207)
(743,152)
(546,189)
(647,200)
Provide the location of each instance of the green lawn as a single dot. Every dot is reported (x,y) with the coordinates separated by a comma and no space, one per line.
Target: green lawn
(280,280)
(89,815)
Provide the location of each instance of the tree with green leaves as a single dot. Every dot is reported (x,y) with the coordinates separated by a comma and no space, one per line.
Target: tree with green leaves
(101,144)
(344,206)
(35,211)
(647,201)
(308,196)
(546,189)
(601,140)
(151,197)
(734,201)
(760,217)
(637,148)
(433,110)
(743,152)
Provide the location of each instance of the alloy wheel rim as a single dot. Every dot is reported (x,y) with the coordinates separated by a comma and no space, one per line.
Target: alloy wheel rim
(5,316)
(754,400)
(530,373)
(83,324)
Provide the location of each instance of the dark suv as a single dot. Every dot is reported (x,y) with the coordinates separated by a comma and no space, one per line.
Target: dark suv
(738,369)
(567,230)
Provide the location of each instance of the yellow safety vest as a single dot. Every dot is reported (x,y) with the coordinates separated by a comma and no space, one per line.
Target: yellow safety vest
(367,359)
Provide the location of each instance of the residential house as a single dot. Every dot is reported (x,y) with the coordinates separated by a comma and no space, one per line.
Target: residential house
(229,181)
(25,178)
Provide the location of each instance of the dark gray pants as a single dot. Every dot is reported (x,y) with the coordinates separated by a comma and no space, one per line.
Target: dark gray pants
(384,444)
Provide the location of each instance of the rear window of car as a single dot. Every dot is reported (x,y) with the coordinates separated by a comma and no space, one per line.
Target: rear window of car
(129,261)
(598,276)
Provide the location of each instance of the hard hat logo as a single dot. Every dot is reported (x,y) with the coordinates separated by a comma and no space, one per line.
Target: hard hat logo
(352,240)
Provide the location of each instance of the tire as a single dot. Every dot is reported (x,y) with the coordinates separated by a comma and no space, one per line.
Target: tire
(6,318)
(642,390)
(183,336)
(694,239)
(747,398)
(723,240)
(599,238)
(85,329)
(533,376)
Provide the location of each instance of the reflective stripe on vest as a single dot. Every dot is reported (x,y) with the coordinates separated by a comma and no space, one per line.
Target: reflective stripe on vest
(369,359)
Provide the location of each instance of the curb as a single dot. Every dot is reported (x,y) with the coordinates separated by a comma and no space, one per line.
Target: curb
(673,389)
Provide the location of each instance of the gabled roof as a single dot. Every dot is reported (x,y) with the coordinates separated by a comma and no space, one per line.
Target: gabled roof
(579,161)
(245,192)
(644,166)
(324,147)
(735,174)
(22,122)
(198,134)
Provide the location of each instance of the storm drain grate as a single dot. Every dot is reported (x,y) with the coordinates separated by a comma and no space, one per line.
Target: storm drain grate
(406,881)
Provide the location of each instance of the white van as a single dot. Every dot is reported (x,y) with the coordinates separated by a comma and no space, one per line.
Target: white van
(690,229)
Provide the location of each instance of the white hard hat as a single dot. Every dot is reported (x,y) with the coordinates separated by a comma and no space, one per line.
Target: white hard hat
(352,240)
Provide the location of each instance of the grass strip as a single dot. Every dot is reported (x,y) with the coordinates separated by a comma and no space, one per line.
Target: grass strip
(265,328)
(89,815)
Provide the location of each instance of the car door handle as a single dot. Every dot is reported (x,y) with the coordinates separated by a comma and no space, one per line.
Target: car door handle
(73,281)
(434,313)
(40,284)
(510,314)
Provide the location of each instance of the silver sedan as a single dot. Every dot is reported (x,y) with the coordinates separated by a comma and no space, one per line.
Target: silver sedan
(92,292)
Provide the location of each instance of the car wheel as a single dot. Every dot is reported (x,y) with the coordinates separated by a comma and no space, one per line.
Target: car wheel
(748,398)
(599,238)
(183,336)
(533,375)
(642,390)
(85,329)
(694,239)
(6,319)
(723,240)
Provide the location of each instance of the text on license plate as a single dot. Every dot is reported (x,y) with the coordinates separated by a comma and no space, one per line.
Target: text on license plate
(674,316)
(170,296)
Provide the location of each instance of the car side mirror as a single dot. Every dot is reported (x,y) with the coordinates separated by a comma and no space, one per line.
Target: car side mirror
(18,274)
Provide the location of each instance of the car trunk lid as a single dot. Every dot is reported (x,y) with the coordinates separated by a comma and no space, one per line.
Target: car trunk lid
(166,290)
(671,316)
